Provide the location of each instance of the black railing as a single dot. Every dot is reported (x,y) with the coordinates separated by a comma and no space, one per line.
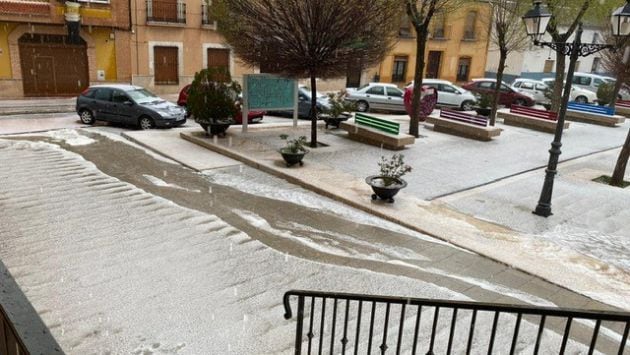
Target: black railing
(166,11)
(10,342)
(206,15)
(362,324)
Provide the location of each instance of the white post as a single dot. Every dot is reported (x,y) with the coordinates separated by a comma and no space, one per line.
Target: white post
(295,105)
(245,109)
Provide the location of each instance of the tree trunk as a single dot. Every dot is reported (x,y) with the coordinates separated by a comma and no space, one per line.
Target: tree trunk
(497,89)
(421,43)
(622,162)
(558,86)
(313,111)
(620,78)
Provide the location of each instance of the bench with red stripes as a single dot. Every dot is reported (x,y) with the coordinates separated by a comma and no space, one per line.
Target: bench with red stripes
(623,103)
(464,117)
(532,112)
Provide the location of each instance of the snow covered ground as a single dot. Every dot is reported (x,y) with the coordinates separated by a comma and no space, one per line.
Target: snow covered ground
(111,268)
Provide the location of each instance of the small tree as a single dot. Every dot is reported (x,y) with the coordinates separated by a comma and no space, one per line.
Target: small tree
(507,35)
(309,38)
(420,13)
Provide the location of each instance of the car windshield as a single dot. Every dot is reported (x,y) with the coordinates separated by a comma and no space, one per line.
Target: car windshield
(142,96)
(307,91)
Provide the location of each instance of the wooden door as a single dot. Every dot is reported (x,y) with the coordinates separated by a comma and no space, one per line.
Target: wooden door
(433,65)
(166,65)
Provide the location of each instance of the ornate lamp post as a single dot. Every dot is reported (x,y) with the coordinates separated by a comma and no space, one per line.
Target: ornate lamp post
(536,21)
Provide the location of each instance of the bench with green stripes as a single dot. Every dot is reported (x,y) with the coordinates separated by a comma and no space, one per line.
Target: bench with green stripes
(377,131)
(380,124)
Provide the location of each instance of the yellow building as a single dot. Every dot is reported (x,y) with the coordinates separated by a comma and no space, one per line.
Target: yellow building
(456,51)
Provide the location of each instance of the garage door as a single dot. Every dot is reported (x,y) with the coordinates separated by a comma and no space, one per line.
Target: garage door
(51,66)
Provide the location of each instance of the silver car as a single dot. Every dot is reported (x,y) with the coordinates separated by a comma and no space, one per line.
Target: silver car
(377,96)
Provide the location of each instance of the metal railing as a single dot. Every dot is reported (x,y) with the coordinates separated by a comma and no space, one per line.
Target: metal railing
(10,342)
(206,15)
(166,11)
(361,324)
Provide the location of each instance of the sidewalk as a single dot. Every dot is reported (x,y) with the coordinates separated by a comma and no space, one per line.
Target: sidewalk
(559,264)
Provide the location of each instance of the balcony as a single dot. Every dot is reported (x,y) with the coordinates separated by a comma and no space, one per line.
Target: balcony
(166,12)
(30,8)
(207,20)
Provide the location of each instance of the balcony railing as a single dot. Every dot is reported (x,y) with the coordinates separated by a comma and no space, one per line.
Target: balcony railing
(206,16)
(334,323)
(21,7)
(166,11)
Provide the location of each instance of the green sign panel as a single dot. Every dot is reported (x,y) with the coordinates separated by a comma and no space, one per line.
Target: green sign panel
(268,92)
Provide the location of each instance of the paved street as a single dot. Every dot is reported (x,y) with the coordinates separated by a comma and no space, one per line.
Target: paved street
(118,251)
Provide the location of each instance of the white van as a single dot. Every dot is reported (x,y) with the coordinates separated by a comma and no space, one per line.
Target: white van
(589,81)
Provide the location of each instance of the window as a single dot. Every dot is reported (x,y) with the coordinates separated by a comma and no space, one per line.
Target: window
(169,11)
(119,96)
(517,84)
(399,71)
(166,64)
(463,69)
(219,58)
(447,88)
(527,86)
(207,17)
(548,66)
(394,92)
(542,87)
(581,80)
(598,82)
(405,27)
(596,63)
(439,26)
(469,29)
(486,85)
(376,90)
(504,88)
(103,94)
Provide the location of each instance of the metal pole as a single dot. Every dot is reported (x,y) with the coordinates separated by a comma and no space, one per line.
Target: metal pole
(544,203)
(245,105)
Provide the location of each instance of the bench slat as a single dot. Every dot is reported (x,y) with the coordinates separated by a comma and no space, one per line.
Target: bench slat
(377,123)
(464,117)
(602,110)
(532,112)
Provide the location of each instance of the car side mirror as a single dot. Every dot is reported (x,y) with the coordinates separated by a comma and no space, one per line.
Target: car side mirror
(302,98)
(458,92)
(128,103)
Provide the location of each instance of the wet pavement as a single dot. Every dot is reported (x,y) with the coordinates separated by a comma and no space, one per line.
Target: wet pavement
(107,242)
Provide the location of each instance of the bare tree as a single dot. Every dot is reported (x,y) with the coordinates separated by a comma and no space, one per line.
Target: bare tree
(566,14)
(420,13)
(309,38)
(507,35)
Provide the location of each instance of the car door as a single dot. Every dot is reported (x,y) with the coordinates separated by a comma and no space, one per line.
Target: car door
(102,105)
(528,87)
(124,107)
(448,95)
(375,96)
(304,104)
(541,90)
(395,100)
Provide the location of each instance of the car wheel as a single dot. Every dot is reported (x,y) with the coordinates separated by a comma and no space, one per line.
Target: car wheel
(520,102)
(363,106)
(581,100)
(467,105)
(145,122)
(86,116)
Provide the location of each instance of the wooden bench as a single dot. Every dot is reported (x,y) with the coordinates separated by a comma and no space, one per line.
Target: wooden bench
(377,131)
(463,124)
(622,107)
(527,117)
(600,115)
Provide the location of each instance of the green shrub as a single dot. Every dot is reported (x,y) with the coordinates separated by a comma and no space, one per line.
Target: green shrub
(212,96)
(605,93)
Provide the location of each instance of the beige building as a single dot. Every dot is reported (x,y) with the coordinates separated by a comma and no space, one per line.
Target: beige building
(173,39)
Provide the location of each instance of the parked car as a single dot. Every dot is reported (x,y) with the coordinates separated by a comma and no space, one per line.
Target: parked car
(252,116)
(377,96)
(588,81)
(578,94)
(536,88)
(507,95)
(450,95)
(128,104)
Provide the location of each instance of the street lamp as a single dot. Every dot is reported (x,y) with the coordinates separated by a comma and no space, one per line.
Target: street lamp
(536,21)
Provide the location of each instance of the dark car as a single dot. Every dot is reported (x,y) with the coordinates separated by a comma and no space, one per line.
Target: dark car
(304,104)
(507,96)
(252,116)
(127,104)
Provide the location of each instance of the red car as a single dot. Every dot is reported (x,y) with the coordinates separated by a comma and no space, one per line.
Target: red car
(507,96)
(252,117)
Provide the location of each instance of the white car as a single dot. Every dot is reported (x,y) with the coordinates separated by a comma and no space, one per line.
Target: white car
(451,95)
(377,96)
(578,94)
(535,88)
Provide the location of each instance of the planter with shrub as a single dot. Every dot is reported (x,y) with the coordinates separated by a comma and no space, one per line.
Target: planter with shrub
(387,184)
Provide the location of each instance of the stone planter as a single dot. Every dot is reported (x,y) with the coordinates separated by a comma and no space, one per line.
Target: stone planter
(483,111)
(292,158)
(217,128)
(382,191)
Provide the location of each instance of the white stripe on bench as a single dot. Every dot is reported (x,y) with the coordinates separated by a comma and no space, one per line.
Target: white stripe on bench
(464,117)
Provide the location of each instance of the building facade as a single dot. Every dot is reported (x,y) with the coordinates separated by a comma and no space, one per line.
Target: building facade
(48,48)
(540,62)
(174,39)
(456,50)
